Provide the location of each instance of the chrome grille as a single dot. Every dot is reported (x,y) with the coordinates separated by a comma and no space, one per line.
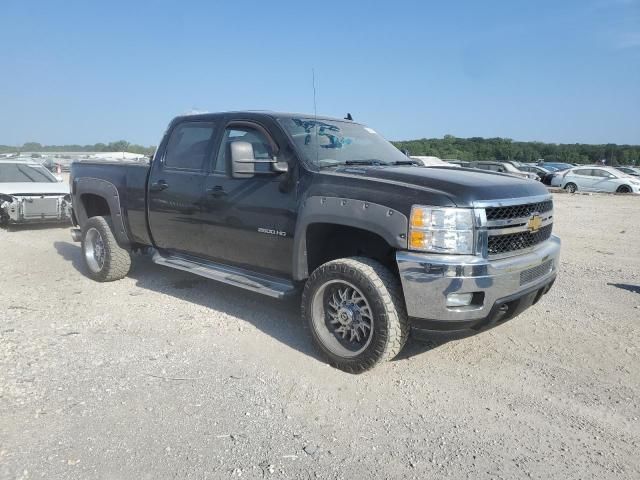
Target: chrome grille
(518,211)
(510,223)
(534,273)
(510,242)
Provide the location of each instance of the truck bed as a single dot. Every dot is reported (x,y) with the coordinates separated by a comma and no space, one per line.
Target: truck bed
(130,179)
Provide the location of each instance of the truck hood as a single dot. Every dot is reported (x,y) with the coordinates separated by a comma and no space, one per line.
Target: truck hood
(462,185)
(34,188)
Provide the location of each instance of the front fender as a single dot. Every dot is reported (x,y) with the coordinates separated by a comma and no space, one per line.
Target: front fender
(386,222)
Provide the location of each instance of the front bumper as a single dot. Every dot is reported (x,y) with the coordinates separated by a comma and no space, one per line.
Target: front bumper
(501,288)
(35,209)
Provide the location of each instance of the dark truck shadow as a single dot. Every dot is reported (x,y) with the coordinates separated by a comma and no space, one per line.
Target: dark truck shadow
(278,318)
(626,286)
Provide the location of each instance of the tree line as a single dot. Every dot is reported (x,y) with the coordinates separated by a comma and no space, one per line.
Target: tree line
(119,146)
(477,148)
(449,147)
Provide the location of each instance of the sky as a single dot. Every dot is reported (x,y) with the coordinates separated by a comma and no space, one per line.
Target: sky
(92,71)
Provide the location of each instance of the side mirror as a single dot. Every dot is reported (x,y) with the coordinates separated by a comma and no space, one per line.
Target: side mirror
(242,160)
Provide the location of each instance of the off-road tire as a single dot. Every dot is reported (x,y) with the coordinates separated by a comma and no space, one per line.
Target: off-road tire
(571,187)
(117,260)
(623,189)
(383,292)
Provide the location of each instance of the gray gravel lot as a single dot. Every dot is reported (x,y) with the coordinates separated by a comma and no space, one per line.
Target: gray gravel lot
(167,375)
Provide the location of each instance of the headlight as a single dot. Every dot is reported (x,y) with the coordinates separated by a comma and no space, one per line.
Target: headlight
(441,230)
(635,182)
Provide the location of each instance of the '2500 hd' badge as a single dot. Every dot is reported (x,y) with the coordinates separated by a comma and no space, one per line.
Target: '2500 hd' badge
(271,231)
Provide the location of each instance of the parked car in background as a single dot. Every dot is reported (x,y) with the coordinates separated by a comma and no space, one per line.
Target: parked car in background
(634,172)
(56,164)
(557,170)
(460,163)
(29,193)
(599,179)
(503,167)
(556,166)
(543,174)
(427,161)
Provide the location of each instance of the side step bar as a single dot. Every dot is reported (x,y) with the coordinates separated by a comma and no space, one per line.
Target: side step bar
(265,284)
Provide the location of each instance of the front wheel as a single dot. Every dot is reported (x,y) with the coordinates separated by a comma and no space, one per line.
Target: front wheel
(571,187)
(106,261)
(355,312)
(624,189)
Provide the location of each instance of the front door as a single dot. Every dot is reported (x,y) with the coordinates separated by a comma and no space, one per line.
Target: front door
(176,187)
(249,221)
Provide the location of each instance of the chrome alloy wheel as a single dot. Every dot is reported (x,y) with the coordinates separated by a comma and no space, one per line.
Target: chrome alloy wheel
(94,250)
(342,318)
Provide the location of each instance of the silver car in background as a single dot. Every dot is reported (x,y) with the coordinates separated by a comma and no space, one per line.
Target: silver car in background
(599,179)
(29,193)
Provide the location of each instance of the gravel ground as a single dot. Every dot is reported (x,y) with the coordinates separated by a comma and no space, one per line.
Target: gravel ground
(167,375)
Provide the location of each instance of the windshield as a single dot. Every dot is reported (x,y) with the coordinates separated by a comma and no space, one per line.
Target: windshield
(23,172)
(510,168)
(557,166)
(327,143)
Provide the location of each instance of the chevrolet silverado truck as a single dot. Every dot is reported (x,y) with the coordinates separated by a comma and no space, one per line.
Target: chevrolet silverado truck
(280,203)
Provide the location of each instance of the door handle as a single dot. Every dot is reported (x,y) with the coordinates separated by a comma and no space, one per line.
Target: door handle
(158,186)
(217,191)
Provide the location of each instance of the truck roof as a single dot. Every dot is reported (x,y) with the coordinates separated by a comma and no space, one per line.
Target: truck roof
(258,114)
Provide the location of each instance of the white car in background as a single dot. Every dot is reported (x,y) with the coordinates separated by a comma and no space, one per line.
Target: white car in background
(29,193)
(599,179)
(429,161)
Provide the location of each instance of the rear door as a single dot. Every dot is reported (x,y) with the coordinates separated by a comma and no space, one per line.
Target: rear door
(176,187)
(583,178)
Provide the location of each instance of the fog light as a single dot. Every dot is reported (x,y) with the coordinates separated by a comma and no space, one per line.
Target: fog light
(459,299)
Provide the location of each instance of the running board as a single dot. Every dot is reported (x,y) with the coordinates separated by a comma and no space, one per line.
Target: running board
(264,284)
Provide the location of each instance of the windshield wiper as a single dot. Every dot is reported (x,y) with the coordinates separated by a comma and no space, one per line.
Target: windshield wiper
(374,162)
(405,162)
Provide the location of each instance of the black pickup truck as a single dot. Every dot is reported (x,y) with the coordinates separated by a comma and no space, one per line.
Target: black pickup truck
(278,203)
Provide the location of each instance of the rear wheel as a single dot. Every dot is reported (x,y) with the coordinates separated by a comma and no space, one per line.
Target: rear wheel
(106,261)
(355,312)
(624,189)
(571,187)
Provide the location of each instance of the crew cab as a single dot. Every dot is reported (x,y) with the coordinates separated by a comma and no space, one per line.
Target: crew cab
(280,203)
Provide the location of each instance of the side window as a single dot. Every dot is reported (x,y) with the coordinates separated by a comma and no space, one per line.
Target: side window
(261,148)
(584,171)
(189,145)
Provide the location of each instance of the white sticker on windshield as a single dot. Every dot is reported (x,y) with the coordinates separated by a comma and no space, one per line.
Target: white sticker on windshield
(370,130)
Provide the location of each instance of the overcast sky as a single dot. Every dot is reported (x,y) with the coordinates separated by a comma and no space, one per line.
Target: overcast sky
(555,71)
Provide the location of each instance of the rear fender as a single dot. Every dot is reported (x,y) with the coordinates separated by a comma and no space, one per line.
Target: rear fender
(108,191)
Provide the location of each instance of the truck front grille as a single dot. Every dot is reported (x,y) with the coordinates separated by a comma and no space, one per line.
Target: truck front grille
(518,211)
(511,242)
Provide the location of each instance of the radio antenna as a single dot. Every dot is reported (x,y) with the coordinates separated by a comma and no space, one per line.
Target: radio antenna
(315,113)
(313,81)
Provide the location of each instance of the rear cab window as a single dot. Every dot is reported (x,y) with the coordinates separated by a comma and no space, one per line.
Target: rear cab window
(189,146)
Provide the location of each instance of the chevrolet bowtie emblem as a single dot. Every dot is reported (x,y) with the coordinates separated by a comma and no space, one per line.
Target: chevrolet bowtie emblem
(534,223)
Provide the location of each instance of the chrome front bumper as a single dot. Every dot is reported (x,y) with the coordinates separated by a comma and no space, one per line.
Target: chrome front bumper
(427,279)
